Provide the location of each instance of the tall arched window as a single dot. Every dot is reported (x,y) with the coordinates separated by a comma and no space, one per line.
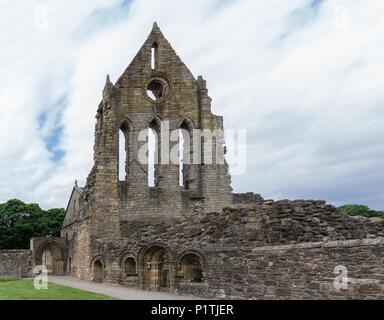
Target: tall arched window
(181,156)
(185,136)
(122,155)
(154,56)
(151,157)
(124,138)
(99,117)
(153,152)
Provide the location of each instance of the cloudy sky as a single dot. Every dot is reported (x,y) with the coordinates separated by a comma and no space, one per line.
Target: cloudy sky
(305,78)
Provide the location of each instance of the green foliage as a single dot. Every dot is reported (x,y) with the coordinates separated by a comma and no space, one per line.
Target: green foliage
(19,222)
(361,210)
(4,279)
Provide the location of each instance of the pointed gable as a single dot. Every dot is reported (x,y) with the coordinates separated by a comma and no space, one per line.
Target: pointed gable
(168,61)
(72,210)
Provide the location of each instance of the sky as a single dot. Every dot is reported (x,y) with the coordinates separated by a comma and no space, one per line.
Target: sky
(305,78)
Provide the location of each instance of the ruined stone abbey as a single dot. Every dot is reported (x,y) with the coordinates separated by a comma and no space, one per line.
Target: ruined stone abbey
(188,233)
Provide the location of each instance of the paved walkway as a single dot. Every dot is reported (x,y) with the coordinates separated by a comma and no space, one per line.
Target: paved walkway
(116,291)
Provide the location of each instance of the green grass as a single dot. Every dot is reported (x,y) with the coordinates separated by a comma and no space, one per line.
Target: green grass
(18,289)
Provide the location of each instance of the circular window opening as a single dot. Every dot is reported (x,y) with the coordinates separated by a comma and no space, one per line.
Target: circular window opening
(155,90)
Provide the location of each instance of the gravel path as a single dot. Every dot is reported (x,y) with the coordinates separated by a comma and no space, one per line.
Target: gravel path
(116,291)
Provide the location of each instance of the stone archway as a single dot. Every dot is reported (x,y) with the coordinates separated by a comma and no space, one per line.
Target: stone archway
(190,267)
(156,269)
(97,271)
(129,270)
(50,255)
(129,266)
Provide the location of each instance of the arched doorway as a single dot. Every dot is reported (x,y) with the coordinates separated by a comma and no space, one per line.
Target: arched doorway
(190,267)
(156,269)
(130,267)
(50,255)
(129,274)
(98,271)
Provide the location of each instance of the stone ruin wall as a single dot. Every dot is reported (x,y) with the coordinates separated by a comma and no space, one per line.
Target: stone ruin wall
(15,262)
(306,271)
(270,250)
(255,249)
(79,252)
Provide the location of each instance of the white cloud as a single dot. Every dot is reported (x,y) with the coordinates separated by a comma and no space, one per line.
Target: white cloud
(307,88)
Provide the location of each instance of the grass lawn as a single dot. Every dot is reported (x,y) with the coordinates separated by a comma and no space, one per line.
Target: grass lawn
(18,289)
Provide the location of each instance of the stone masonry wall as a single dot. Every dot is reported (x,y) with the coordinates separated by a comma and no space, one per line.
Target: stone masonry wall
(15,263)
(248,197)
(262,223)
(80,254)
(265,250)
(285,221)
(302,271)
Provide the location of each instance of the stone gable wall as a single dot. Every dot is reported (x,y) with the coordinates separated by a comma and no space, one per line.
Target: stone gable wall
(235,235)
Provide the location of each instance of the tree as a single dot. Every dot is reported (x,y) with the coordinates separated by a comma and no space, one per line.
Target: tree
(360,210)
(19,222)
